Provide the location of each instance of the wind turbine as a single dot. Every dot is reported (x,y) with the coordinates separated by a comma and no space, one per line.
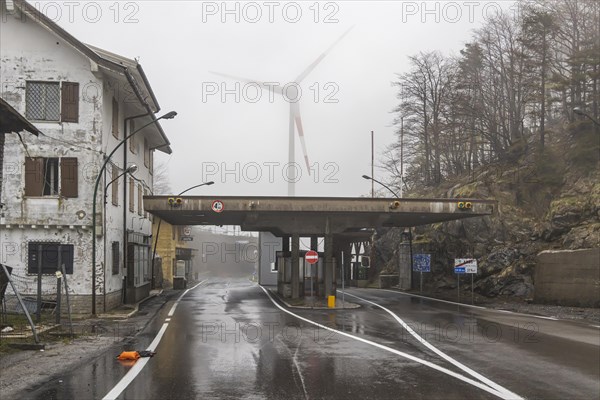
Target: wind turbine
(295,119)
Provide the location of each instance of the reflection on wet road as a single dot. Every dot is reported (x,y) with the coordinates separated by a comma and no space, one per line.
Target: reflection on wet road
(227,339)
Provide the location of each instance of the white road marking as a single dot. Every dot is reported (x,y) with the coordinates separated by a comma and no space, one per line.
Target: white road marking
(463,378)
(439,352)
(141,363)
(434,299)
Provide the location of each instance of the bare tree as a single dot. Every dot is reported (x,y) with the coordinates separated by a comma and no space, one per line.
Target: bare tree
(162,183)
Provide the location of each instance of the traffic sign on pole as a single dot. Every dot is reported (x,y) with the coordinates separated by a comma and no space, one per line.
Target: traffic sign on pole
(465,266)
(311,257)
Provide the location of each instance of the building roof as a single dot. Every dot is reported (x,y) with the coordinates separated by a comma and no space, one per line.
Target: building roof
(11,121)
(131,69)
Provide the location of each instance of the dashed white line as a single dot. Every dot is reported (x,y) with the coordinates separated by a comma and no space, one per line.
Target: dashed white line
(463,378)
(141,363)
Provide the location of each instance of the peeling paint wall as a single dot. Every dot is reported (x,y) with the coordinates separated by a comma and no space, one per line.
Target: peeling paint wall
(32,53)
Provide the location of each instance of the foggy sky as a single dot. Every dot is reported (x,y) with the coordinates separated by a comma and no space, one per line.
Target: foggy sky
(179,42)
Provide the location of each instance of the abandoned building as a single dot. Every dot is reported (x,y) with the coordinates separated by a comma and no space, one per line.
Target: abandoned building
(85,101)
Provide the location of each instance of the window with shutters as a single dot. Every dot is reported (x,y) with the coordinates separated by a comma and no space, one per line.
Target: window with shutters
(116,257)
(115,118)
(51,177)
(140,200)
(131,195)
(52,101)
(115,185)
(49,257)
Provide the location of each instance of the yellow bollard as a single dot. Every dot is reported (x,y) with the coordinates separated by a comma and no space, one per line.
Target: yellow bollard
(331,301)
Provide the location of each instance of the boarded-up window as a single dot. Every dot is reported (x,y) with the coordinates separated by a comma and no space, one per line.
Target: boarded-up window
(115,118)
(146,154)
(132,141)
(115,185)
(131,195)
(69,111)
(68,177)
(42,101)
(116,257)
(34,176)
(50,256)
(140,200)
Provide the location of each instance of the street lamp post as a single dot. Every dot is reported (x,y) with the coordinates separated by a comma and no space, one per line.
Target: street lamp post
(130,170)
(158,228)
(409,229)
(579,111)
(169,115)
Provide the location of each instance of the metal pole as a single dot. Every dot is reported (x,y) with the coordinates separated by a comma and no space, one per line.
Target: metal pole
(343,280)
(421,280)
(35,336)
(472,295)
(62,268)
(38,312)
(58,296)
(401,156)
(458,287)
(372,163)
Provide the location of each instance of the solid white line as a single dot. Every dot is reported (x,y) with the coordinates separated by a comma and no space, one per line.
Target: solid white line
(470,381)
(141,363)
(440,353)
(434,299)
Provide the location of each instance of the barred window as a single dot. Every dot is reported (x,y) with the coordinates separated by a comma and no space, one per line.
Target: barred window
(43,101)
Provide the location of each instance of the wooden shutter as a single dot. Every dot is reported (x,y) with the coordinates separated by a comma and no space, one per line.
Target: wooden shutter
(140,204)
(151,167)
(69,97)
(115,118)
(68,177)
(131,195)
(115,185)
(146,153)
(34,176)
(132,141)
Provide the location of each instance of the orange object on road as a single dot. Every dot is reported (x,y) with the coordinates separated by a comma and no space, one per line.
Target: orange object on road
(128,355)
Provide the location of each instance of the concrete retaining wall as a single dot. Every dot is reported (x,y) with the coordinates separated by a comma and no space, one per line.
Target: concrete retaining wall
(568,278)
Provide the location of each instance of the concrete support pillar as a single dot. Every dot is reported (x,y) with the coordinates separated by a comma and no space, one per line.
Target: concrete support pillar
(347,249)
(329,288)
(295,266)
(314,243)
(285,244)
(404,258)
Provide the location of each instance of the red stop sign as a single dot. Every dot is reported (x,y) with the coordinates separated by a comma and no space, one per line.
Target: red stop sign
(311,257)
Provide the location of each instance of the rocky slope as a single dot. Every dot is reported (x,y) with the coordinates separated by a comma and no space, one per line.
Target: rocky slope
(546,200)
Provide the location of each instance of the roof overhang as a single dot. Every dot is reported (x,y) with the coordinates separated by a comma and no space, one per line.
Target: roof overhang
(312,215)
(11,121)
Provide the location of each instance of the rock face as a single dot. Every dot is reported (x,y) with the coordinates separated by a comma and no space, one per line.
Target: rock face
(557,210)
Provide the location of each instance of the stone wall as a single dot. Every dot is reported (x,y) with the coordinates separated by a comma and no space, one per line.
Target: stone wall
(568,278)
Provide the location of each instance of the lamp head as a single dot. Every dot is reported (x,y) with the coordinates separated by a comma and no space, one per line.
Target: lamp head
(169,115)
(578,111)
(367,177)
(209,183)
(131,169)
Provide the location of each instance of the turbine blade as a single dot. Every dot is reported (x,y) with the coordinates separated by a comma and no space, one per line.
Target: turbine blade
(298,119)
(312,66)
(273,88)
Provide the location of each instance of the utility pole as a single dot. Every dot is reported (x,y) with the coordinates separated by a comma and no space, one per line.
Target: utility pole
(372,163)
(401,156)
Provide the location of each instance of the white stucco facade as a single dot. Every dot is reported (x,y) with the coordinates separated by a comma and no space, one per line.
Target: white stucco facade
(30,52)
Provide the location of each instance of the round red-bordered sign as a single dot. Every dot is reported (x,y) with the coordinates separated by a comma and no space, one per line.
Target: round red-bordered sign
(311,257)
(217,206)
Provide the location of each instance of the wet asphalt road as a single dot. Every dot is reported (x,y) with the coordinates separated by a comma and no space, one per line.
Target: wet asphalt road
(227,339)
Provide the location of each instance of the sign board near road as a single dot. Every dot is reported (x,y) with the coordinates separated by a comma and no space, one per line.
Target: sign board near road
(187,239)
(311,257)
(422,262)
(465,266)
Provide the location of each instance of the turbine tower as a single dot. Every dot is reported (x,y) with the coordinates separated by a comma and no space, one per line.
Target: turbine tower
(295,118)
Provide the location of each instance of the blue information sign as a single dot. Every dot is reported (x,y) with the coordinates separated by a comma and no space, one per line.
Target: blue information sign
(459,270)
(422,262)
